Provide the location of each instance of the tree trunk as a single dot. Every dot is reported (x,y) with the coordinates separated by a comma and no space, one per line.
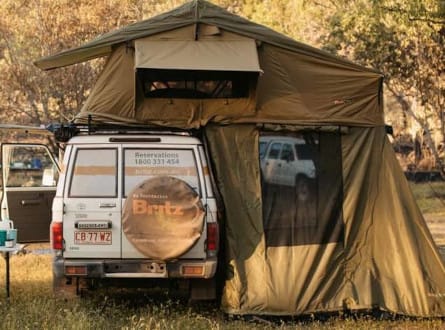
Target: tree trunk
(406,106)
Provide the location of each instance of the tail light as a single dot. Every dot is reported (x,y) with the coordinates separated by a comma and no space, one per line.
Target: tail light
(57,235)
(193,270)
(212,238)
(76,270)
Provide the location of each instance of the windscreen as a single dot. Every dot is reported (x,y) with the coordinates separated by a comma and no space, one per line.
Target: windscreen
(29,166)
(301,188)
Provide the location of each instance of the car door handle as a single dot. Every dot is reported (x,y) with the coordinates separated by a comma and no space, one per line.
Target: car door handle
(107,205)
(25,202)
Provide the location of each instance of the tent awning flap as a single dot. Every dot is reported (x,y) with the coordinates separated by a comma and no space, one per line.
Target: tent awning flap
(240,55)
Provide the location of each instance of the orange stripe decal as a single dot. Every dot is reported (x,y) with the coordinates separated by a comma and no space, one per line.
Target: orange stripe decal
(94,170)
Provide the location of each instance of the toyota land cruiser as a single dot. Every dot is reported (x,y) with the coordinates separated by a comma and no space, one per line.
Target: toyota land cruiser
(135,208)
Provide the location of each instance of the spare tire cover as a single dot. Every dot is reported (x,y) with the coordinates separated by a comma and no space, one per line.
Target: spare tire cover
(163,217)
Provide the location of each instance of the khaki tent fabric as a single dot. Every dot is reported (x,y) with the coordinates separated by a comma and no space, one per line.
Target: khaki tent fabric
(113,87)
(231,55)
(384,257)
(392,250)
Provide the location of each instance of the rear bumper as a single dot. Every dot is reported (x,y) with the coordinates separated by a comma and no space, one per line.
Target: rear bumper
(116,268)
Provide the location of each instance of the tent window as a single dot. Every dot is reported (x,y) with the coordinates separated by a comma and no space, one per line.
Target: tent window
(301,188)
(195,84)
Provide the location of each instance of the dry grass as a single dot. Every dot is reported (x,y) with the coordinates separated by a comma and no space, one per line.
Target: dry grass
(430,196)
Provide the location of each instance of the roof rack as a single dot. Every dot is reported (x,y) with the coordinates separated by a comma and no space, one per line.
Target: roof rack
(64,132)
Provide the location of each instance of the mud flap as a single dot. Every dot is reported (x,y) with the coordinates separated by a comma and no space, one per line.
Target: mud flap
(202,289)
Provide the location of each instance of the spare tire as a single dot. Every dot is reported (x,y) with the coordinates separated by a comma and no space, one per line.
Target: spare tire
(163,217)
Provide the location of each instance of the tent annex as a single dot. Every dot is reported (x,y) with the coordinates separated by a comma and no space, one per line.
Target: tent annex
(318,214)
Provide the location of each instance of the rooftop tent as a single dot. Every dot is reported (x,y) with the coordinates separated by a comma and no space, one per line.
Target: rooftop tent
(319,216)
(333,91)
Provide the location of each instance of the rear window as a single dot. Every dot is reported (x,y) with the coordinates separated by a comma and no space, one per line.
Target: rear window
(94,173)
(143,164)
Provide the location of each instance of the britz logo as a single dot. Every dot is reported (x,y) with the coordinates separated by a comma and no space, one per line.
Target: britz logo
(141,206)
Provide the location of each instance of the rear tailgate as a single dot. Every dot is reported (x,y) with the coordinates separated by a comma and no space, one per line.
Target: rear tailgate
(164,220)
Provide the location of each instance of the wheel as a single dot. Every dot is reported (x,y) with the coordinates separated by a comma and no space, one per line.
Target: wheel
(302,189)
(202,289)
(163,217)
(69,288)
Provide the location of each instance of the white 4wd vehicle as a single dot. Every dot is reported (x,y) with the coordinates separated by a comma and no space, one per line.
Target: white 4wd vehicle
(287,161)
(135,207)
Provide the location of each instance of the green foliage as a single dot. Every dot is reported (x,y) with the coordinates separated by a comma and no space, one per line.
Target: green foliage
(405,40)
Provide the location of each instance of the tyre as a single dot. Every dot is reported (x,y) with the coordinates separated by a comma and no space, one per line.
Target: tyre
(302,189)
(69,288)
(163,217)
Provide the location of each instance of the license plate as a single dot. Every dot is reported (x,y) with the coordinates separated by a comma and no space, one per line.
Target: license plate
(96,237)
